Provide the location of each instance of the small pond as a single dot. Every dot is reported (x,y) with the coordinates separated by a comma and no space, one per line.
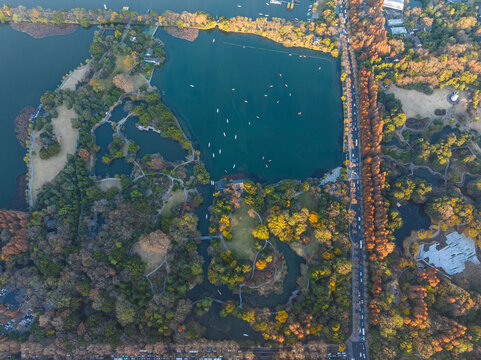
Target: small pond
(425,174)
(445,131)
(220,325)
(414,218)
(150,142)
(103,137)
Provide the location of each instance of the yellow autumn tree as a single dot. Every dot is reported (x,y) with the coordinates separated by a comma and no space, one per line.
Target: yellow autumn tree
(261,232)
(281,317)
(261,264)
(97,85)
(131,61)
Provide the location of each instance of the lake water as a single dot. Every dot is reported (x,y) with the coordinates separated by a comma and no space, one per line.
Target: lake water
(103,138)
(414,219)
(150,142)
(253,105)
(297,145)
(29,67)
(229,8)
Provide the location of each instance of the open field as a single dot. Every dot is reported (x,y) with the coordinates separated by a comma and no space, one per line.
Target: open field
(45,171)
(307,201)
(105,185)
(242,242)
(151,258)
(416,103)
(138,81)
(177,198)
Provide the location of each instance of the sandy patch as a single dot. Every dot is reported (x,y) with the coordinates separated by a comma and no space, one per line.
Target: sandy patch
(107,184)
(331,176)
(416,103)
(45,171)
(151,258)
(475,124)
(74,78)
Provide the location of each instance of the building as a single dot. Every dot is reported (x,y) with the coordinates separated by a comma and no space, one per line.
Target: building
(394,4)
(222,183)
(149,52)
(453,98)
(398,30)
(152,60)
(395,22)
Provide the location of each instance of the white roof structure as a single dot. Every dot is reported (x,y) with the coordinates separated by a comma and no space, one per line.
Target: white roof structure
(452,257)
(394,4)
(398,30)
(395,22)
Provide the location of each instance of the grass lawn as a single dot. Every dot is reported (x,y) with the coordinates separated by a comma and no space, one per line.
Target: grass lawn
(242,242)
(119,66)
(307,201)
(176,198)
(138,81)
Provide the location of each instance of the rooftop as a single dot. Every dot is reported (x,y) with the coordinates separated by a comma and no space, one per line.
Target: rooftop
(398,30)
(394,4)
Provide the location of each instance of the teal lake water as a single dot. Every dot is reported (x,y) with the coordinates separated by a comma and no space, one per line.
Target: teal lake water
(281,121)
(293,132)
(29,67)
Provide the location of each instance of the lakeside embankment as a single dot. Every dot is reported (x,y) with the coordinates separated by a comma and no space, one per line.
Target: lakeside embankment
(320,37)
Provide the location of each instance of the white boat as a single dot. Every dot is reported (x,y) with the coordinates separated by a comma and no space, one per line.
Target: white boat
(260,14)
(217,110)
(245,334)
(213,40)
(239,6)
(233,166)
(235,137)
(213,155)
(206,216)
(249,123)
(208,145)
(191,85)
(220,151)
(105,7)
(224,134)
(227,121)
